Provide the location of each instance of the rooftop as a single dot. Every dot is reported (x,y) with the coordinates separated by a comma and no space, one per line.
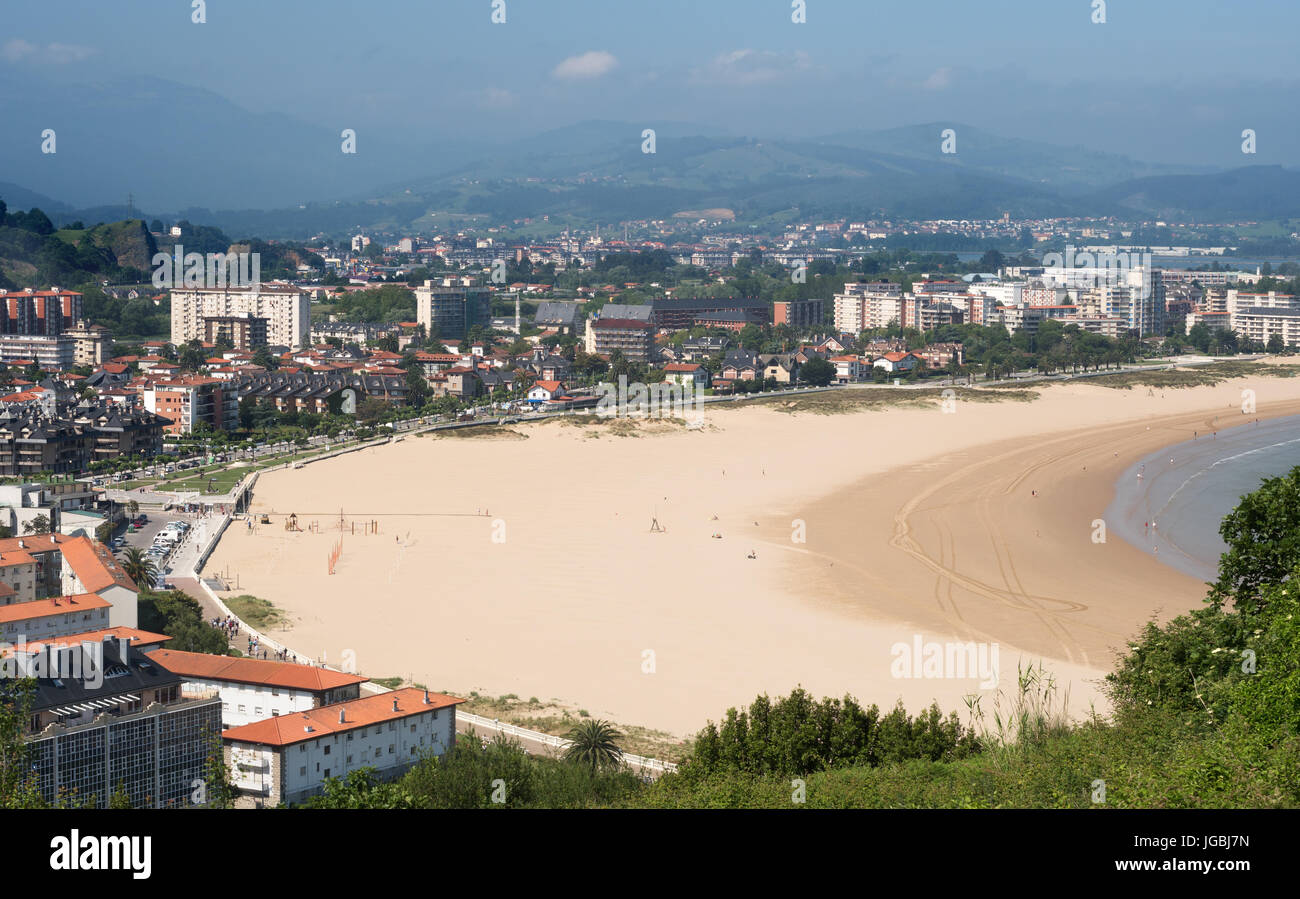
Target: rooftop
(285,730)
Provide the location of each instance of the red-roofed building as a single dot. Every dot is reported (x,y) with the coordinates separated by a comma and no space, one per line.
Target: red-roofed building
(897,362)
(286,759)
(254,689)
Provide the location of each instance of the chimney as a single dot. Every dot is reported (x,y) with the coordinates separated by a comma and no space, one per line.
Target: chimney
(342,717)
(394,705)
(426,697)
(307,728)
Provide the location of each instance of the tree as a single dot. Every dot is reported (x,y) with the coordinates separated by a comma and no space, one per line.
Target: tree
(1275,344)
(1263,538)
(593,744)
(19,786)
(38,525)
(370,410)
(139,569)
(192,357)
(262,356)
(818,372)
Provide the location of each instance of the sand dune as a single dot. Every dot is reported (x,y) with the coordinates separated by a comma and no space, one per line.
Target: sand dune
(919,525)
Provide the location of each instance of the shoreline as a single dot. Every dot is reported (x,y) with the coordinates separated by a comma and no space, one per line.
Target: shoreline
(581,591)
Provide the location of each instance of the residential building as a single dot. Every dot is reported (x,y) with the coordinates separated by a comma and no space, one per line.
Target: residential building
(287,759)
(634,339)
(686,312)
(254,689)
(91,344)
(286,309)
(448,310)
(798,314)
(51,353)
(687,373)
(895,363)
(780,367)
(1261,323)
(242,332)
(187,402)
(847,369)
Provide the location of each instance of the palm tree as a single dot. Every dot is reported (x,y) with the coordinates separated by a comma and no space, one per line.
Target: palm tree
(139,569)
(593,744)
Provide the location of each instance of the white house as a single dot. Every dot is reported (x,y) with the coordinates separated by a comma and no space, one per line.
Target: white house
(255,689)
(687,373)
(288,758)
(847,368)
(895,362)
(545,391)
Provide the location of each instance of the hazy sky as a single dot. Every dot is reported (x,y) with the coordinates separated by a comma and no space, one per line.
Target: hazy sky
(1026,68)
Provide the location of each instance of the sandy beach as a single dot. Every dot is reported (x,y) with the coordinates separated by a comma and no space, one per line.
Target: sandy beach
(525,562)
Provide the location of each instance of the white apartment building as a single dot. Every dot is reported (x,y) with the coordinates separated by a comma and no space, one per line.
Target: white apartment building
(1261,323)
(868,305)
(1133,294)
(255,689)
(1238,301)
(287,311)
(1010,293)
(50,353)
(288,758)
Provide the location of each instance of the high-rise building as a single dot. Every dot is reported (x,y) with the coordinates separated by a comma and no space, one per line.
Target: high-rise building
(450,310)
(286,309)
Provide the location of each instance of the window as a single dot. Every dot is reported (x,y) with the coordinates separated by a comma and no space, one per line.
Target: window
(318,767)
(391,750)
(241,708)
(327,749)
(327,772)
(302,772)
(349,735)
(302,747)
(349,760)
(258,710)
(412,728)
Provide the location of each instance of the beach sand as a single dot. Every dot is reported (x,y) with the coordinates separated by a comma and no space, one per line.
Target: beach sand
(525,563)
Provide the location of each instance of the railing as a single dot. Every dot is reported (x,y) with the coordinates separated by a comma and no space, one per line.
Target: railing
(635,761)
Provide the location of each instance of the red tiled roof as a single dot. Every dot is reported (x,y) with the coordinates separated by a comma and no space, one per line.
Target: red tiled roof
(58,605)
(309,725)
(94,565)
(289,675)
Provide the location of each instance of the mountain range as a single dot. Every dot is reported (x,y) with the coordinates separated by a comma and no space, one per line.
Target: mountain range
(183,152)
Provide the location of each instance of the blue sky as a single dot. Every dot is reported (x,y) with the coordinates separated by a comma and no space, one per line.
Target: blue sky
(741,64)
(1172,81)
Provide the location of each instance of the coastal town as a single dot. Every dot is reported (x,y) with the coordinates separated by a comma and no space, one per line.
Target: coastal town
(105,442)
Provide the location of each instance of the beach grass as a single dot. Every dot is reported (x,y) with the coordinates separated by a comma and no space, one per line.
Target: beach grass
(868,398)
(259,613)
(1200,376)
(557,719)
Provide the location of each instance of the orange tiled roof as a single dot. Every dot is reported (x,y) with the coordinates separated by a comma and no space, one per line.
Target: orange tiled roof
(253,671)
(58,605)
(94,565)
(287,729)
